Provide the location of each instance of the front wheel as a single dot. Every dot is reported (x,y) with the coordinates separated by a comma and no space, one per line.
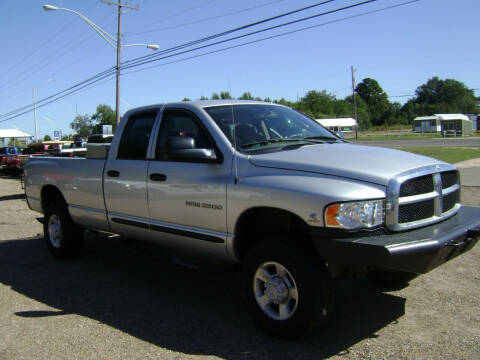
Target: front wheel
(64,239)
(286,290)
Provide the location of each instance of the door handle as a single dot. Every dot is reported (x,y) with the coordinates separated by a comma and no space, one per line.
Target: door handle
(113,173)
(158,177)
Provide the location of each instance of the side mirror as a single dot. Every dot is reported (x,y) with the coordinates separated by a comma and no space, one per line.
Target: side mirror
(340,134)
(183,149)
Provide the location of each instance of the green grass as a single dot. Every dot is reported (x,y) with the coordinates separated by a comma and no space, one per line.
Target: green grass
(447,154)
(397,137)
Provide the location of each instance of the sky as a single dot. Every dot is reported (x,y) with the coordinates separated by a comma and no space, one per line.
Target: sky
(401,48)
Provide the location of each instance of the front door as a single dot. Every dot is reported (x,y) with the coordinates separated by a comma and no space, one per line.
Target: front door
(187,200)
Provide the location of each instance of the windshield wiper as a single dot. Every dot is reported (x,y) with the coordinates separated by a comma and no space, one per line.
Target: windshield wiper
(271,141)
(321,138)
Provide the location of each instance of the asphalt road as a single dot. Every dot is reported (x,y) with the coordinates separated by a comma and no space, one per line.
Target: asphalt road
(470,142)
(116,303)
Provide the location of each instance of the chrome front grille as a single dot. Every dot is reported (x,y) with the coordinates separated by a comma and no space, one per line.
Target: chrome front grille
(416,211)
(422,196)
(449,178)
(417,186)
(450,200)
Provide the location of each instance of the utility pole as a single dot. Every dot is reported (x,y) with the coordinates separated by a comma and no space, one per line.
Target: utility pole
(119,5)
(354,101)
(35,114)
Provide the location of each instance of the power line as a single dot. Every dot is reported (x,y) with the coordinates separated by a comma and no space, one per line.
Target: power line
(214,36)
(109,76)
(158,57)
(88,81)
(277,35)
(206,19)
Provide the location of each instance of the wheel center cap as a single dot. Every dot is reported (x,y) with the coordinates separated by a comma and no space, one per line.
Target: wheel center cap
(276,290)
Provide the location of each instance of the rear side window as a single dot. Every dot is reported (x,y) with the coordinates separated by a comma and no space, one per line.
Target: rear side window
(136,135)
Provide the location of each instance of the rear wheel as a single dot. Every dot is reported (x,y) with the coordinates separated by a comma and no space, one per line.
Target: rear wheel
(287,290)
(63,238)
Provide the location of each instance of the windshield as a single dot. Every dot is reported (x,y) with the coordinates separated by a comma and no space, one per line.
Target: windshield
(268,127)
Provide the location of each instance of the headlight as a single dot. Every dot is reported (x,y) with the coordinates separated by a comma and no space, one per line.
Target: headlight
(355,215)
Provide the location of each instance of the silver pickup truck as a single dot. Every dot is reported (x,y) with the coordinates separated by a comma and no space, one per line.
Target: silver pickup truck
(261,185)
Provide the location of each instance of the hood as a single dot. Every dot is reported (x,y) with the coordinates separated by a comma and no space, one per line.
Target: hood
(365,163)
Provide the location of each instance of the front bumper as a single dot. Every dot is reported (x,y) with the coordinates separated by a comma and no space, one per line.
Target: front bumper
(416,251)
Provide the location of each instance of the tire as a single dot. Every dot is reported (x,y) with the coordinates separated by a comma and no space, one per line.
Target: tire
(64,239)
(287,290)
(391,278)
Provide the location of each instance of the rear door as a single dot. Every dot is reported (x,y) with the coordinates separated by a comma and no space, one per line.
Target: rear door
(125,175)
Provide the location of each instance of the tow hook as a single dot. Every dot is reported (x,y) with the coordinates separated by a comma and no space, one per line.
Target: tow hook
(472,234)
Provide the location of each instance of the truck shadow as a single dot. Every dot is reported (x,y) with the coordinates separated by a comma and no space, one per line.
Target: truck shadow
(176,308)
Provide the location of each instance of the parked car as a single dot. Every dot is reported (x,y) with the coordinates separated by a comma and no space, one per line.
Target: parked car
(33,149)
(5,152)
(74,149)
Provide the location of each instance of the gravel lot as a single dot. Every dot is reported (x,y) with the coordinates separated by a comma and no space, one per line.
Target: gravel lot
(115,303)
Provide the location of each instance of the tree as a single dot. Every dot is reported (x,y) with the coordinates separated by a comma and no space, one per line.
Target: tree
(342,108)
(445,96)
(225,95)
(282,101)
(105,115)
(215,96)
(363,115)
(47,138)
(246,96)
(376,100)
(82,125)
(203,97)
(317,104)
(186,99)
(67,137)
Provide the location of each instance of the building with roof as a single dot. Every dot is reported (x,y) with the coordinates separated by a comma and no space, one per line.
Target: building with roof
(14,134)
(447,124)
(475,121)
(346,125)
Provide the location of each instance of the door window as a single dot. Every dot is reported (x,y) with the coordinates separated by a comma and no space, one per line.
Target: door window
(179,123)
